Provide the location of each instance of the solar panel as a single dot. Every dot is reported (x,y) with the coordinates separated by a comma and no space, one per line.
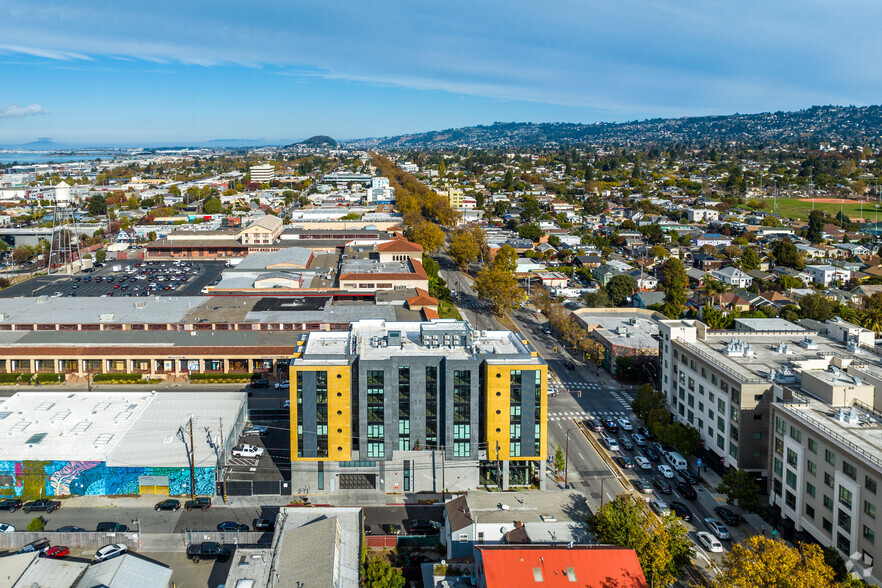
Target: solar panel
(81,427)
(4,414)
(103,438)
(60,416)
(101,406)
(45,406)
(20,426)
(35,438)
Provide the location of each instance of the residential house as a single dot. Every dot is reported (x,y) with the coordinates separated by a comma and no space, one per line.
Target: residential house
(733,276)
(647,299)
(588,261)
(825,275)
(605,273)
(713,239)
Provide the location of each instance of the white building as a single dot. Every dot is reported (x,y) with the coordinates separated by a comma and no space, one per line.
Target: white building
(825,275)
(263,174)
(702,215)
(733,276)
(380,192)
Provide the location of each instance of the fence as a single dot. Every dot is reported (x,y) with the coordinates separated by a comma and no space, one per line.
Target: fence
(250,538)
(257,487)
(17,540)
(403,541)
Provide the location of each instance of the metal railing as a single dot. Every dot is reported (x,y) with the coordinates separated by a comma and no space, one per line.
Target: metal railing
(715,362)
(841,438)
(17,540)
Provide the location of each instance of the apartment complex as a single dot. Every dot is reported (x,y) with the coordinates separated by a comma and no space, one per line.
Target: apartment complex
(263,174)
(417,406)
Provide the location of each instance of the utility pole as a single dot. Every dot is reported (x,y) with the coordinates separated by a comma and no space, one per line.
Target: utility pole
(443,471)
(221,464)
(192,464)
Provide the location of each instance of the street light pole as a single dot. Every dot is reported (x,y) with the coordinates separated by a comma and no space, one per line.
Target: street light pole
(602,480)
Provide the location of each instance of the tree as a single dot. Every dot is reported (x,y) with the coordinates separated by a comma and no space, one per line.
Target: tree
(771,221)
(499,287)
(212,205)
(530,231)
(647,400)
(22,253)
(560,461)
(816,306)
(815,231)
(714,286)
(464,248)
(506,259)
(674,280)
(787,254)
(429,235)
(872,319)
(619,522)
(659,251)
(787,282)
(100,256)
(733,251)
(599,299)
(740,488)
(97,205)
(37,525)
(715,318)
(620,287)
(379,574)
(750,260)
(759,562)
(594,205)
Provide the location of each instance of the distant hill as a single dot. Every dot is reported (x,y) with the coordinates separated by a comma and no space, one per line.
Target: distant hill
(319,141)
(820,123)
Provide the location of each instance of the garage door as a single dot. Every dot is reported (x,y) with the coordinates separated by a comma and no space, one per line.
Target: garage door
(358,481)
(153,484)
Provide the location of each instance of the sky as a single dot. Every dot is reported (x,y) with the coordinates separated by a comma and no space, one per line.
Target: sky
(175,72)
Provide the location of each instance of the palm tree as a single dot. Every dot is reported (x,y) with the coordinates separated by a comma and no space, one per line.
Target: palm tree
(872,319)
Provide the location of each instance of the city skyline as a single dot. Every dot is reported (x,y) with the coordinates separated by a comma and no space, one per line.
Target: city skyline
(105,73)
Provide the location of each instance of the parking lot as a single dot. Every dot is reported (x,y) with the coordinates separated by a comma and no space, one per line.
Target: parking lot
(125,278)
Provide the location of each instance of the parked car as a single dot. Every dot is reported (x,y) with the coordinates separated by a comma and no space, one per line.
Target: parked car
(626,443)
(643,486)
(110,551)
(422,527)
(232,526)
(70,529)
(260,383)
(283,385)
(625,462)
(55,552)
(660,507)
(201,502)
(41,505)
(110,527)
(170,504)
(264,525)
(727,516)
(688,476)
(208,551)
(38,545)
(256,430)
(639,439)
(643,462)
(644,431)
(718,529)
(10,504)
(248,451)
(666,471)
(709,542)
(681,510)
(686,490)
(662,486)
(625,424)
(6,528)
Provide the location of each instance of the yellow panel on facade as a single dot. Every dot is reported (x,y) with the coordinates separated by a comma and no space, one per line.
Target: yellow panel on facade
(498,410)
(339,411)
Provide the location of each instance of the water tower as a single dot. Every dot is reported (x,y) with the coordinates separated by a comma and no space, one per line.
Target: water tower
(64,248)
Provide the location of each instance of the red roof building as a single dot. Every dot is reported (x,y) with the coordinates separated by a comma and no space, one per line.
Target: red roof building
(504,566)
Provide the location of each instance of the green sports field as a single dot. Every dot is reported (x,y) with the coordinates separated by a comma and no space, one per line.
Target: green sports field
(799,208)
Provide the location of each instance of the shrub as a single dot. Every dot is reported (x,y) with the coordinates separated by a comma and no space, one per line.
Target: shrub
(25,378)
(37,524)
(50,378)
(9,378)
(117,378)
(220,378)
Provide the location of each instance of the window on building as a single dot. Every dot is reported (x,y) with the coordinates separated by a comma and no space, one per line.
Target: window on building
(869,534)
(721,441)
(810,489)
(828,526)
(812,445)
(809,511)
(828,502)
(779,446)
(791,479)
(844,520)
(829,457)
(828,479)
(791,458)
(780,426)
(869,510)
(845,496)
(700,390)
(714,379)
(703,372)
(758,435)
(790,500)
(733,450)
(811,467)
(776,486)
(843,543)
(757,416)
(870,484)
(849,470)
(796,434)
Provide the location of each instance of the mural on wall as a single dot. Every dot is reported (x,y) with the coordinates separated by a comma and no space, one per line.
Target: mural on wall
(33,479)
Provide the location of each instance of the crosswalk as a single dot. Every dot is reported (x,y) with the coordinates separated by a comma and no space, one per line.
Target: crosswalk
(573,385)
(581,415)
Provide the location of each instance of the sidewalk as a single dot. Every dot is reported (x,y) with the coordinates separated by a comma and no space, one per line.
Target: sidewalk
(752,522)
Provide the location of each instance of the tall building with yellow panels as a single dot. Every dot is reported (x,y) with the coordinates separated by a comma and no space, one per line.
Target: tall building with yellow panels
(410,407)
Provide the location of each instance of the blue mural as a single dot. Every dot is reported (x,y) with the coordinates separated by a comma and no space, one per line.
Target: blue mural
(94,478)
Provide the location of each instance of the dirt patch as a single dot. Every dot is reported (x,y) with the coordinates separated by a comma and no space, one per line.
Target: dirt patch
(833,200)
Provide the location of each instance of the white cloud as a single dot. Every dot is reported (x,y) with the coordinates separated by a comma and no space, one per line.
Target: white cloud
(16,111)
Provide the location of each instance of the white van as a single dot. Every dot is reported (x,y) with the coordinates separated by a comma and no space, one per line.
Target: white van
(677,461)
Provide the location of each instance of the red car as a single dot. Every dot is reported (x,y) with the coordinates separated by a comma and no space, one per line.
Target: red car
(56,552)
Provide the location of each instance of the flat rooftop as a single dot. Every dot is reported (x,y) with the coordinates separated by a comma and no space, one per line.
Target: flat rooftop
(73,342)
(623,330)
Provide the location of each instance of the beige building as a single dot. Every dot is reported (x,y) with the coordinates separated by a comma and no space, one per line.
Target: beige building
(263,231)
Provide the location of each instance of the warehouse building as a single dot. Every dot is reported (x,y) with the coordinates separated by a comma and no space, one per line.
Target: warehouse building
(115,443)
(417,406)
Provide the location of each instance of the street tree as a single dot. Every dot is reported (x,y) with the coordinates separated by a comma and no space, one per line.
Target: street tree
(497,284)
(760,562)
(647,400)
(740,488)
(559,462)
(212,205)
(464,247)
(506,259)
(429,235)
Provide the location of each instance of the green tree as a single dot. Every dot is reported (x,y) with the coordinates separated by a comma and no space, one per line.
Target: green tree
(815,231)
(871,318)
(816,306)
(620,287)
(506,259)
(760,562)
(770,221)
(530,231)
(379,574)
(599,299)
(36,525)
(100,255)
(741,489)
(674,280)
(787,282)
(647,400)
(559,462)
(463,247)
(97,205)
(715,318)
(594,205)
(212,205)
(750,260)
(659,251)
(787,254)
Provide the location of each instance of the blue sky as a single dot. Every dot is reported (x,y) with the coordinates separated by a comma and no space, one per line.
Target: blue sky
(98,71)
